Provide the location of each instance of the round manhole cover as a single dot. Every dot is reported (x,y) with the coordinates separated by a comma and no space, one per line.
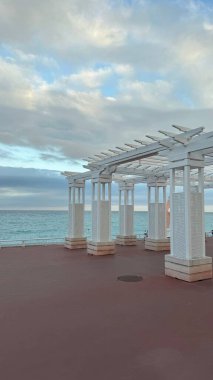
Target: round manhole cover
(130,278)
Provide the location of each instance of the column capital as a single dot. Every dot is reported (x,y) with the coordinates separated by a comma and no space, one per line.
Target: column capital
(126,186)
(76,182)
(156,181)
(102,178)
(178,161)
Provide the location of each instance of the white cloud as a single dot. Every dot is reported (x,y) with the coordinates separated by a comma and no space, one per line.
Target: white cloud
(117,71)
(89,78)
(124,69)
(101,35)
(17,85)
(208,26)
(78,77)
(153,95)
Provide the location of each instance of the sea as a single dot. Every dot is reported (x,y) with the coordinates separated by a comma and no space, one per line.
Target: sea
(46,227)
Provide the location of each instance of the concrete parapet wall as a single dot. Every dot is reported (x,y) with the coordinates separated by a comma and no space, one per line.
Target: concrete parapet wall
(188,270)
(157,244)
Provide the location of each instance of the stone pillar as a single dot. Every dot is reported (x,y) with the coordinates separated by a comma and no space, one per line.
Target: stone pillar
(126,215)
(187,260)
(157,240)
(76,239)
(101,243)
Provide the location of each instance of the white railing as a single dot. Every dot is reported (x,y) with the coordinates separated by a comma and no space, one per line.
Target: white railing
(209,234)
(56,240)
(141,236)
(32,241)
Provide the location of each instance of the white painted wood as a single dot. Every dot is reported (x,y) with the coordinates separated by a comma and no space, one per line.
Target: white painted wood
(178,229)
(126,220)
(152,149)
(76,210)
(126,210)
(94,221)
(69,211)
(152,225)
(187,206)
(162,221)
(99,215)
(197,250)
(156,209)
(187,213)
(101,210)
(172,191)
(103,191)
(77,220)
(109,212)
(201,191)
(179,152)
(148,207)
(156,213)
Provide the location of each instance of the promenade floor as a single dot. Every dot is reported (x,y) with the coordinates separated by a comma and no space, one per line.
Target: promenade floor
(65,316)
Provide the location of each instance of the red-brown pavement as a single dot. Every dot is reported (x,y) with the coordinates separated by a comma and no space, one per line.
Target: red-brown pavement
(65,316)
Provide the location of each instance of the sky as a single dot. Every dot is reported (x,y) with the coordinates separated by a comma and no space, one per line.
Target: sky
(81,76)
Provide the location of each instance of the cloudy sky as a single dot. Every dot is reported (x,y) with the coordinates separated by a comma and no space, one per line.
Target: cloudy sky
(80,76)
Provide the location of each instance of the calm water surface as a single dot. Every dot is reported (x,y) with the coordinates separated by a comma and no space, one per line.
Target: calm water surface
(17,226)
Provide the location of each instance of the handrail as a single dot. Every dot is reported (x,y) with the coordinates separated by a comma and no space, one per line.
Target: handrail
(26,242)
(55,240)
(31,241)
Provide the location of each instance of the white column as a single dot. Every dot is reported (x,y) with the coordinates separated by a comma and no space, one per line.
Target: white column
(157,216)
(97,232)
(187,260)
(126,215)
(187,211)
(201,190)
(172,191)
(148,207)
(110,210)
(157,240)
(76,239)
(69,209)
(101,243)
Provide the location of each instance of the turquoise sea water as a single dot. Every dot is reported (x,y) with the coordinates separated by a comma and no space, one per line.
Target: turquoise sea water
(51,226)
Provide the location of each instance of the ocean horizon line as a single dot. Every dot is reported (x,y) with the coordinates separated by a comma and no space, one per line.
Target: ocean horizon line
(56,209)
(66,210)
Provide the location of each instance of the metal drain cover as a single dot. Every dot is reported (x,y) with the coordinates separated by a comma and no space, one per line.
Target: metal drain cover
(130,278)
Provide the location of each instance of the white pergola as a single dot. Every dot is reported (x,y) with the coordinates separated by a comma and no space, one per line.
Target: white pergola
(183,160)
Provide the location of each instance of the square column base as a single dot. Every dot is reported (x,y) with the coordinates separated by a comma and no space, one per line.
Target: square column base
(100,248)
(126,240)
(75,243)
(157,244)
(188,270)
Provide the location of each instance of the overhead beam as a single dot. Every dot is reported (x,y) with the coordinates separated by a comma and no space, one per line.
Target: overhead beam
(144,151)
(141,172)
(76,176)
(180,128)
